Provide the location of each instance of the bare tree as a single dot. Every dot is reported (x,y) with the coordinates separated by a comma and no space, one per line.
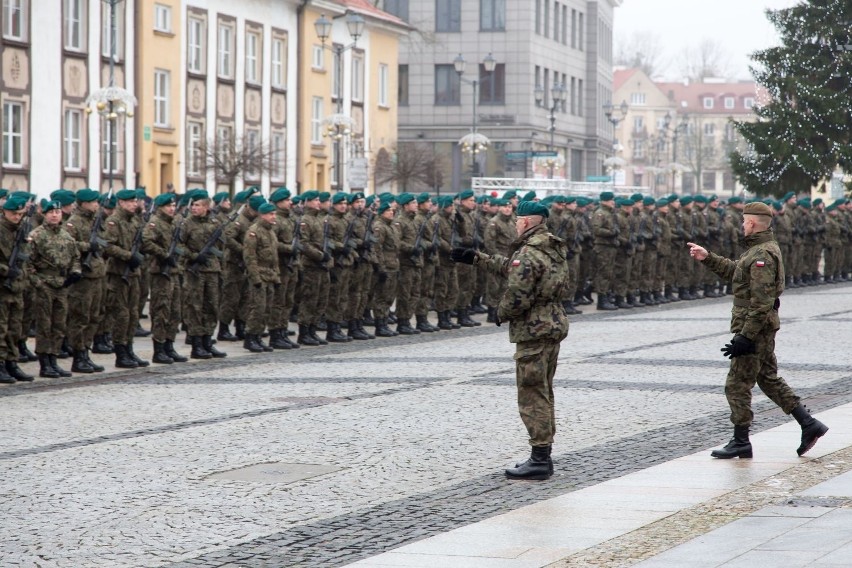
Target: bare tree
(708,59)
(237,157)
(413,164)
(641,50)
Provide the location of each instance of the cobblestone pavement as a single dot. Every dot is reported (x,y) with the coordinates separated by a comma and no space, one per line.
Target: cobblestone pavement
(119,470)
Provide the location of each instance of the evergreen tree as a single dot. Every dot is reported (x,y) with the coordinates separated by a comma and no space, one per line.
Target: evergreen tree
(804,127)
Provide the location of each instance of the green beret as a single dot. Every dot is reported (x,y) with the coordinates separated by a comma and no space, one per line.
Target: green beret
(125,194)
(526,208)
(817,201)
(735,199)
(370,200)
(356,196)
(757,208)
(198,195)
(445,201)
(324,196)
(310,195)
(606,196)
(279,194)
(255,201)
(500,202)
(86,195)
(15,203)
(685,200)
(385,205)
(183,200)
(700,199)
(338,197)
(624,202)
(777,205)
(266,208)
(547,200)
(804,202)
(63,196)
(241,197)
(108,201)
(662,202)
(3,192)
(50,204)
(405,198)
(636,197)
(423,198)
(297,199)
(570,198)
(466,194)
(140,193)
(221,196)
(529,196)
(583,201)
(648,200)
(712,198)
(511,194)
(164,199)
(387,198)
(787,196)
(252,189)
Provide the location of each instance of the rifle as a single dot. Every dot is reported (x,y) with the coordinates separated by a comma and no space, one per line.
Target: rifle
(454,237)
(477,241)
(368,235)
(137,239)
(210,246)
(296,243)
(94,237)
(173,247)
(418,242)
(18,255)
(347,236)
(326,244)
(433,247)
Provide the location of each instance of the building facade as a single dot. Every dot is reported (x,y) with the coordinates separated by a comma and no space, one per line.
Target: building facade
(566,44)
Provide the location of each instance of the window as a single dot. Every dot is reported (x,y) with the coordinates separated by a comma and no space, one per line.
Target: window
(336,71)
(727,181)
(252,59)
(538,84)
(492,90)
(162,18)
(729,102)
(708,102)
(556,21)
(402,86)
(384,85)
(15,19)
(13,134)
(75,22)
(317,58)
(252,148)
(279,66)
(108,14)
(195,60)
(573,29)
(448,16)
(358,77)
(748,102)
(109,160)
(193,148)
(72,139)
(579,97)
(639,149)
(276,166)
(638,123)
(637,98)
(447,85)
(398,8)
(316,120)
(161,98)
(573,95)
(709,129)
(730,132)
(580,32)
(538,17)
(492,15)
(708,181)
(226,51)
(564,25)
(546,22)
(224,141)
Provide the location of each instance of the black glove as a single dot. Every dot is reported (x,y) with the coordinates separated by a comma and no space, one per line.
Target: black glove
(739,345)
(71,279)
(325,257)
(94,247)
(13,273)
(202,259)
(383,277)
(258,285)
(346,251)
(170,261)
(497,320)
(465,255)
(418,250)
(135,261)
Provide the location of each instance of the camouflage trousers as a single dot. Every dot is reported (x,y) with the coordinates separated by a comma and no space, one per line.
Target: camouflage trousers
(685,269)
(384,293)
(587,265)
(446,286)
(496,288)
(51,314)
(200,302)
(123,302)
(359,290)
(314,295)
(673,264)
(144,287)
(11,324)
(338,293)
(604,265)
(833,261)
(661,272)
(535,366)
(762,368)
(622,283)
(106,317)
(234,293)
(649,269)
(84,312)
(407,291)
(573,277)
(795,267)
(164,307)
(285,296)
(636,268)
(258,313)
(427,289)
(466,279)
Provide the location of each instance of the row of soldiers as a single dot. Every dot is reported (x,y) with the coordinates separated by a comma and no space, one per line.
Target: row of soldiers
(340,262)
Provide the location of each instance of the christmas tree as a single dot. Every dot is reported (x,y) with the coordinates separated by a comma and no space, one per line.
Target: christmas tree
(804,127)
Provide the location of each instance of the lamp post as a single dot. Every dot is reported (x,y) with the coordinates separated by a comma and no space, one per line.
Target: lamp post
(615,115)
(474,143)
(666,128)
(112,102)
(557,95)
(339,125)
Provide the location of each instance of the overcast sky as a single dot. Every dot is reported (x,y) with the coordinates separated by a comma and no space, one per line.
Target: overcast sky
(739,25)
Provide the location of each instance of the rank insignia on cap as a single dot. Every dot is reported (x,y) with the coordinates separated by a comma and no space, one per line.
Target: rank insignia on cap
(760,264)
(516,263)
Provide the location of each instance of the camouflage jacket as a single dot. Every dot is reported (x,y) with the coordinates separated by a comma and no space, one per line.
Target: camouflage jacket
(386,252)
(758,280)
(465,227)
(783,228)
(194,235)
(157,239)
(79,226)
(337,225)
(445,238)
(120,231)
(8,233)
(605,227)
(312,227)
(833,231)
(662,233)
(499,235)
(408,229)
(235,234)
(54,255)
(537,274)
(285,230)
(260,253)
(429,256)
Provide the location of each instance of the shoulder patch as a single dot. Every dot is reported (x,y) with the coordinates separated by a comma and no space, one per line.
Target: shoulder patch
(152,224)
(760,264)
(70,225)
(111,223)
(251,234)
(516,263)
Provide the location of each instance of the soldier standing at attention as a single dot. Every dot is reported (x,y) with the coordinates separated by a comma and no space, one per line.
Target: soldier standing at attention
(758,281)
(55,264)
(410,262)
(446,278)
(537,273)
(499,236)
(605,229)
(260,254)
(165,284)
(430,259)
(465,234)
(11,291)
(316,264)
(288,270)
(386,260)
(362,270)
(339,276)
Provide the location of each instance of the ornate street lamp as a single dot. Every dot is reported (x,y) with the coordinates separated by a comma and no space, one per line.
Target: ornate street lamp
(474,142)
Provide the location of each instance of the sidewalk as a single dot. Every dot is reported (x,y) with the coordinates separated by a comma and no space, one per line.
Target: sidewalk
(775,511)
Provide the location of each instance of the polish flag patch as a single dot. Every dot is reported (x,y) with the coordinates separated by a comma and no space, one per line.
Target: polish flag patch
(760,264)
(516,263)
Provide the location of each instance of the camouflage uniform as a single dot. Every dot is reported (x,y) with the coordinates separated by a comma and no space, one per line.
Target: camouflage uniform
(201,282)
(427,273)
(662,245)
(465,235)
(605,229)
(234,282)
(260,256)
(499,236)
(362,270)
(11,295)
(410,265)
(165,292)
(122,294)
(338,296)
(386,258)
(85,298)
(315,270)
(446,277)
(622,272)
(288,269)
(758,281)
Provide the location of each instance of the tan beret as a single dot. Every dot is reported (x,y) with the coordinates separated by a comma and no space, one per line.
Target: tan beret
(757,208)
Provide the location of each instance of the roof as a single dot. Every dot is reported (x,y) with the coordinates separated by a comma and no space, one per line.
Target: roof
(621,76)
(690,97)
(367,9)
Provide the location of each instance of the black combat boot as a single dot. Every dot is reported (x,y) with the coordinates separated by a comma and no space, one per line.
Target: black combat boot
(603,303)
(569,308)
(364,331)
(80,364)
(53,363)
(170,351)
(355,331)
(98,345)
(24,354)
(6,378)
(444,321)
(278,339)
(367,319)
(669,294)
(660,298)
(382,329)
(239,329)
(207,342)
(587,295)
(634,301)
(95,366)
(225,333)
(492,315)
(65,350)
(305,337)
(160,355)
(123,360)
(109,342)
(710,292)
(812,429)
(403,327)
(141,331)
(139,361)
(476,306)
(335,334)
(424,326)
(738,447)
(198,350)
(622,304)
(683,293)
(579,299)
(16,372)
(538,467)
(465,320)
(252,343)
(312,329)
(45,369)
(265,346)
